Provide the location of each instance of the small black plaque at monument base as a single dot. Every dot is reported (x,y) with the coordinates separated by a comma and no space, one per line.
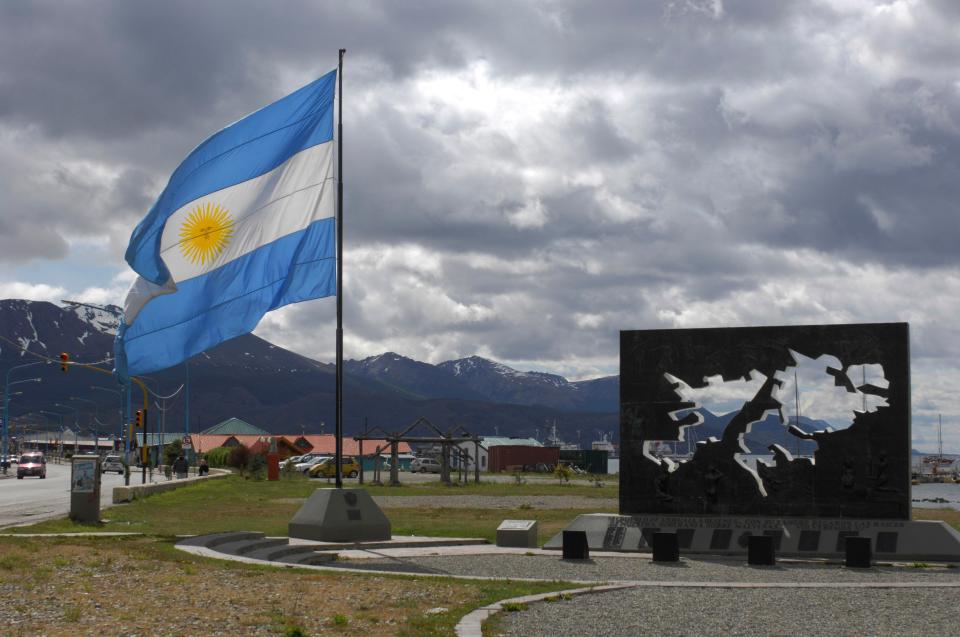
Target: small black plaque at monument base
(575,545)
(665,547)
(760,550)
(859,554)
(824,537)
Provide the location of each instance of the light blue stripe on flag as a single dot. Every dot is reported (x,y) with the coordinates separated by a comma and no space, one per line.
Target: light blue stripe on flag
(248,219)
(233,299)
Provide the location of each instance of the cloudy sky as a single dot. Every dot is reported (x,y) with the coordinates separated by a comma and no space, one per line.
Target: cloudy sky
(523,180)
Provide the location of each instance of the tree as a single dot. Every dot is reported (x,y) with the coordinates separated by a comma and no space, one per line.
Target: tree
(172,450)
(239,457)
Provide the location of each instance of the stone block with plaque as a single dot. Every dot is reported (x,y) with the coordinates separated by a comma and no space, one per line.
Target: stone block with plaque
(518,534)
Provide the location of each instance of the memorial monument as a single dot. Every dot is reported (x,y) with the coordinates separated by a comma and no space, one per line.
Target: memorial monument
(856,483)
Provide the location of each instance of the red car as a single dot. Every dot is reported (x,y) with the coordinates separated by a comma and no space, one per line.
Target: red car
(32,464)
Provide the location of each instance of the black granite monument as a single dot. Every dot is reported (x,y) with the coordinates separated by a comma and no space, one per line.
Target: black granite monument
(855,486)
(862,471)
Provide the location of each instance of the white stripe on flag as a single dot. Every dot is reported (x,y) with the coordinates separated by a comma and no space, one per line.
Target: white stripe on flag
(264,209)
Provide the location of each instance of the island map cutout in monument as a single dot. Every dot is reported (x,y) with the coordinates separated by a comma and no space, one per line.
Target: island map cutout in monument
(860,471)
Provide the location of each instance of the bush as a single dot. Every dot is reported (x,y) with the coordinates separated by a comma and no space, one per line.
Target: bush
(239,457)
(257,466)
(218,456)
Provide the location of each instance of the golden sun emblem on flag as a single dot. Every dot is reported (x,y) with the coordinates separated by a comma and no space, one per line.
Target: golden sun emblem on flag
(205,233)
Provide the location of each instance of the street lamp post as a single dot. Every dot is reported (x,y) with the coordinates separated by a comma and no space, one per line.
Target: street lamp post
(59,425)
(76,425)
(101,426)
(156,394)
(120,432)
(96,409)
(162,407)
(6,410)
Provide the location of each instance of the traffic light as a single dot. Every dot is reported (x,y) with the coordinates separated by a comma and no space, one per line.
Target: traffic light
(139,419)
(64,361)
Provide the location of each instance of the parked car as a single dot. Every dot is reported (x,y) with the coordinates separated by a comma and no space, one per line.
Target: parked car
(328,468)
(304,466)
(32,464)
(112,463)
(292,460)
(425,465)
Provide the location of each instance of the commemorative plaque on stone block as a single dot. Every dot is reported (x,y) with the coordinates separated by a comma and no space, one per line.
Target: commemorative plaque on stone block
(518,534)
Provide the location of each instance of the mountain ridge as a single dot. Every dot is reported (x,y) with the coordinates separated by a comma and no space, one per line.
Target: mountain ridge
(250,378)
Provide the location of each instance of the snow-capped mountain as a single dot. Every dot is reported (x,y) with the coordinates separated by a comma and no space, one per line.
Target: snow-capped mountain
(421,380)
(477,378)
(274,388)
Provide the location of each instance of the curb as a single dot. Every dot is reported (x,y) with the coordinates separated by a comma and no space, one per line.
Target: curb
(122,495)
(472,623)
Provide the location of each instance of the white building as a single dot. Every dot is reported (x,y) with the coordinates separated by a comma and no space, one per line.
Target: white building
(485,443)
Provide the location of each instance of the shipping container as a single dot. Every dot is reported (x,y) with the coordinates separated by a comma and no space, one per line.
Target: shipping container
(523,458)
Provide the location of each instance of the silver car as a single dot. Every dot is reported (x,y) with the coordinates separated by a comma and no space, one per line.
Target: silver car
(303,467)
(424,465)
(112,463)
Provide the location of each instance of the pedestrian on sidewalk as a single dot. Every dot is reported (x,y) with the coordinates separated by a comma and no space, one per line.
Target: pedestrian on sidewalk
(180,467)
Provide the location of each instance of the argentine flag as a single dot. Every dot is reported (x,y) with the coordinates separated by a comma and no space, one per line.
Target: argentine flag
(244,226)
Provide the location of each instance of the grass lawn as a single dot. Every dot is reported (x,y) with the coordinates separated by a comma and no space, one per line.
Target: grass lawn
(143,586)
(131,584)
(233,504)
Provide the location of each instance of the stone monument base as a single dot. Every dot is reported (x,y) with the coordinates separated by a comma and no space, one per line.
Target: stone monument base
(340,515)
(792,537)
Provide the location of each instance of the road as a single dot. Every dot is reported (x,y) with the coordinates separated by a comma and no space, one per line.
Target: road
(32,499)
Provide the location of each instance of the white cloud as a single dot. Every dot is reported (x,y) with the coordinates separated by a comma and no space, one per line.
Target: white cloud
(32,291)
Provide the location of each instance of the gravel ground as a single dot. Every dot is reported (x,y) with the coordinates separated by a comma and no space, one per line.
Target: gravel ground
(808,612)
(632,568)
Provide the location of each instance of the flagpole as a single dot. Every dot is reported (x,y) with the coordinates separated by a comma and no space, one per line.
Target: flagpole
(339,415)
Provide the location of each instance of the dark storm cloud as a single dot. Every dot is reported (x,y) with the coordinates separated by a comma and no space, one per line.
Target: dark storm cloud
(527,179)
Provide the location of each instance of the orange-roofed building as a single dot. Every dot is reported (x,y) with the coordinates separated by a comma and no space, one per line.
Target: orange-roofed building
(233,432)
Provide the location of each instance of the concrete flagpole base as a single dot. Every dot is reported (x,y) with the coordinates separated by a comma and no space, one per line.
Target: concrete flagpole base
(340,515)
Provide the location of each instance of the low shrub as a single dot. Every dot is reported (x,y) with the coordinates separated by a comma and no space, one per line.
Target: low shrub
(218,456)
(257,466)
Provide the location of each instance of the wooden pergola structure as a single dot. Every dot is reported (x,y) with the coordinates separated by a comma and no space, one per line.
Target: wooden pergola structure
(446,439)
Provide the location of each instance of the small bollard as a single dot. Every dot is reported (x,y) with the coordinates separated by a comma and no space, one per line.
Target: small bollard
(859,552)
(575,545)
(665,547)
(760,551)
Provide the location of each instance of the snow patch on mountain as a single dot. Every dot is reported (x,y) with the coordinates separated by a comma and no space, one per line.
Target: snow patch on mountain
(475,364)
(105,321)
